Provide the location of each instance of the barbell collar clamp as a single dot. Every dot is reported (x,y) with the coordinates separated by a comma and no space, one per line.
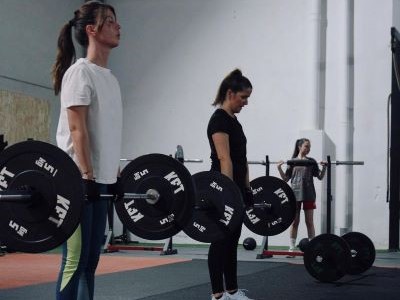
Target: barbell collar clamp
(262,205)
(193,160)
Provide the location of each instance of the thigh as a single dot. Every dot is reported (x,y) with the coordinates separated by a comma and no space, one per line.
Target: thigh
(309,215)
(99,220)
(309,205)
(298,209)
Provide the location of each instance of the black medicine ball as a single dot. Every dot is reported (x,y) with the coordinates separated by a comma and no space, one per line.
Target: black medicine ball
(249,243)
(303,244)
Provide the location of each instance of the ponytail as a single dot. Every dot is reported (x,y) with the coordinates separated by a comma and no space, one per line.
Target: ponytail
(65,55)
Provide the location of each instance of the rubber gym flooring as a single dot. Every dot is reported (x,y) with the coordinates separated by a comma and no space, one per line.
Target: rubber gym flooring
(147,275)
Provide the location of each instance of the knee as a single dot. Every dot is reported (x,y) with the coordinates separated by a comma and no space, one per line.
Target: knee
(92,264)
(310,223)
(295,223)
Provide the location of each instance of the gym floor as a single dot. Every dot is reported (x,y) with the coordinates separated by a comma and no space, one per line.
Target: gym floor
(128,274)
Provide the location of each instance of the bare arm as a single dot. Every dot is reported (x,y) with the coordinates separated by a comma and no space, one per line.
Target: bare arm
(221,142)
(77,118)
(247,177)
(283,175)
(321,173)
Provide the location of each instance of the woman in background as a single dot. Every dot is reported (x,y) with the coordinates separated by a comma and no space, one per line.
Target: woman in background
(302,183)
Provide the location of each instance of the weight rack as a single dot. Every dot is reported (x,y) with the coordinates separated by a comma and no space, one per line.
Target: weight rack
(265,253)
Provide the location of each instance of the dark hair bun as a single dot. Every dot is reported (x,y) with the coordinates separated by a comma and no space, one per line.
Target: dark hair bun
(236,73)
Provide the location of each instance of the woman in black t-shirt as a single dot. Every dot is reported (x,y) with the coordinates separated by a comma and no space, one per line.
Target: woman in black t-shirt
(228,156)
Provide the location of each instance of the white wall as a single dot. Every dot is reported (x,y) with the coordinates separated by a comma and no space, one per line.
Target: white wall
(173,56)
(174,53)
(372,88)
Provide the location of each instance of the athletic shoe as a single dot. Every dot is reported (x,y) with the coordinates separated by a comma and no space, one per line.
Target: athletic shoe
(224,297)
(289,255)
(239,295)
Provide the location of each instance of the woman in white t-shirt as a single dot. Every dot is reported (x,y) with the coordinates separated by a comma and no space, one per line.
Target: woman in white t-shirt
(89,130)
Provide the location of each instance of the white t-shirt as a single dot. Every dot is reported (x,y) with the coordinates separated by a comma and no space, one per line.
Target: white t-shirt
(85,83)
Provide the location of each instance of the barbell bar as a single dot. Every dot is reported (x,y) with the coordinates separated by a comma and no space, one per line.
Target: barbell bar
(188,160)
(303,162)
(15,198)
(28,197)
(208,206)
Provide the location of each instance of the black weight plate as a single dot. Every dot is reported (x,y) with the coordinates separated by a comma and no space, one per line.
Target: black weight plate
(276,219)
(174,208)
(362,252)
(52,217)
(219,208)
(327,257)
(43,199)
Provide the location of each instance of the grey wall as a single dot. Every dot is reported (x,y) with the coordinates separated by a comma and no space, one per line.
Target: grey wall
(28,36)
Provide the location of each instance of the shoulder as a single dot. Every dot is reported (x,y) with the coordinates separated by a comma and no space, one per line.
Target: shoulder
(314,166)
(217,115)
(312,159)
(219,121)
(79,69)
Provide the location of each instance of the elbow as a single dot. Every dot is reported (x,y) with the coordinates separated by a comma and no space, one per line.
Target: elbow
(78,133)
(224,159)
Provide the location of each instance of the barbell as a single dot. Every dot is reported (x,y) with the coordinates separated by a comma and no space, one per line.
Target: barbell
(42,196)
(304,162)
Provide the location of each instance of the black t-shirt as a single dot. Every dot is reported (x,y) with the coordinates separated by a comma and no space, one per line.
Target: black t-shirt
(221,121)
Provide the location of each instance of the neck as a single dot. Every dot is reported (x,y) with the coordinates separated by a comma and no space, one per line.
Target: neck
(226,108)
(98,55)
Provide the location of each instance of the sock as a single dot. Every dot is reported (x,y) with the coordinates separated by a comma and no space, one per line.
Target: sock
(219,297)
(234,292)
(292,243)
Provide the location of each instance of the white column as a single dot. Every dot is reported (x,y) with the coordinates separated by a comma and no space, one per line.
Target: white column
(316,29)
(344,174)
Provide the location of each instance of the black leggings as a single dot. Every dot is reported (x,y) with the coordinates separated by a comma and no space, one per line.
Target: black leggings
(222,263)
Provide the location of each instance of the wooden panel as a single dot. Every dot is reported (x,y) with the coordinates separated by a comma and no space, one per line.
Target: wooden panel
(23,117)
